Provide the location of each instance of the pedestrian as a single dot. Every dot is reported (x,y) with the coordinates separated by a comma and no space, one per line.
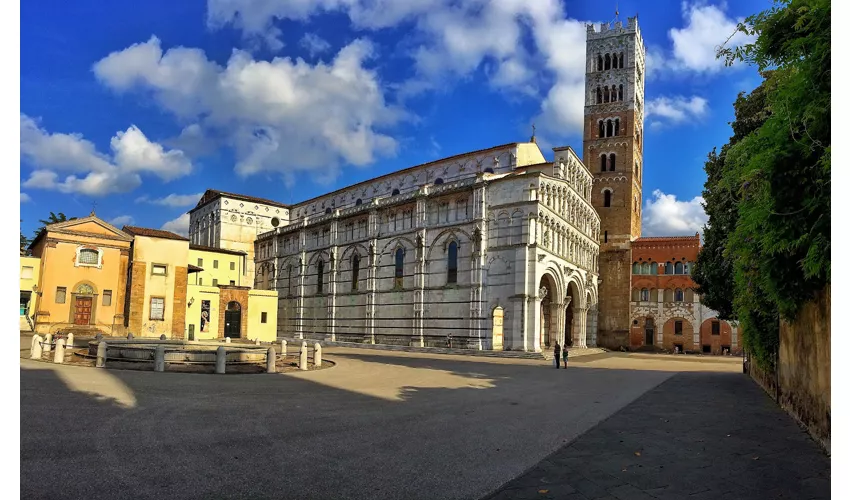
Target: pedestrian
(566,355)
(557,355)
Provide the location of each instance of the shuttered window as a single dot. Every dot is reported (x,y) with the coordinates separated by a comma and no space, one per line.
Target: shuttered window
(107,297)
(157,308)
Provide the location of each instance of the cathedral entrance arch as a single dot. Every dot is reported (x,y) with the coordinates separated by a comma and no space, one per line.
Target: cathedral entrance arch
(572,315)
(549,311)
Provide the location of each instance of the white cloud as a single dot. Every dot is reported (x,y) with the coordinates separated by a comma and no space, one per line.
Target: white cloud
(277,115)
(694,47)
(314,44)
(25,198)
(94,173)
(180,225)
(173,200)
(676,109)
(664,215)
(122,220)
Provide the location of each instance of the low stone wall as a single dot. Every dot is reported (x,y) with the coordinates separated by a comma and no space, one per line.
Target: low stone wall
(804,366)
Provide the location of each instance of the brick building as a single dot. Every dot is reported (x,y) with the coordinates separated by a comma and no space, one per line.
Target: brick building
(665,312)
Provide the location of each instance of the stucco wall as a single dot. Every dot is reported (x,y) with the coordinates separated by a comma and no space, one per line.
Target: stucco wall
(223,274)
(804,365)
(259,302)
(174,254)
(195,297)
(27,283)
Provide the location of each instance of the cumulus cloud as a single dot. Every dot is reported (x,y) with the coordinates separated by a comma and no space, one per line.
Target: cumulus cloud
(277,115)
(180,225)
(173,200)
(676,109)
(25,198)
(694,47)
(453,40)
(664,215)
(122,220)
(314,44)
(91,172)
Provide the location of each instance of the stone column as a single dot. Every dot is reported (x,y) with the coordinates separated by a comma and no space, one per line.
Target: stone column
(371,285)
(580,327)
(331,297)
(300,288)
(418,339)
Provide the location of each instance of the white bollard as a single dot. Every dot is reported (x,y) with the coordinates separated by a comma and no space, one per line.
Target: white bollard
(101,355)
(317,354)
(270,360)
(59,355)
(70,343)
(220,359)
(159,359)
(48,340)
(226,340)
(35,353)
(257,342)
(282,349)
(302,363)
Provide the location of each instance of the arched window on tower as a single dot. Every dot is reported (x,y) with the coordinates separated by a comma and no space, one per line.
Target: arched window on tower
(598,95)
(609,128)
(601,128)
(607,94)
(602,165)
(320,276)
(653,268)
(612,162)
(452,276)
(668,268)
(599,65)
(644,294)
(679,269)
(358,202)
(614,62)
(620,93)
(645,268)
(679,296)
(438,181)
(636,268)
(607,201)
(395,192)
(355,272)
(607,61)
(399,268)
(621,60)
(617,127)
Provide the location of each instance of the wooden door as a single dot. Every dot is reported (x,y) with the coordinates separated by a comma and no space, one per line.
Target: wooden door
(82,311)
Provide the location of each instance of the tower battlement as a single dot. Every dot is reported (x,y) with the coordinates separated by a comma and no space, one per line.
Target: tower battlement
(616,28)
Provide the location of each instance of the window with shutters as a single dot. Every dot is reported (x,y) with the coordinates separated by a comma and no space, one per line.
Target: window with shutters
(107,297)
(26,273)
(232,266)
(60,294)
(215,264)
(157,309)
(159,270)
(88,257)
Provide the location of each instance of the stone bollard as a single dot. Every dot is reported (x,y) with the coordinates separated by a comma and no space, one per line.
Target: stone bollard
(35,352)
(270,360)
(226,340)
(302,363)
(159,359)
(70,343)
(282,349)
(162,337)
(317,354)
(130,336)
(59,355)
(257,342)
(48,340)
(220,359)
(101,355)
(98,337)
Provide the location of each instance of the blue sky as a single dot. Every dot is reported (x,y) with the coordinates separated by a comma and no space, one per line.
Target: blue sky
(142,106)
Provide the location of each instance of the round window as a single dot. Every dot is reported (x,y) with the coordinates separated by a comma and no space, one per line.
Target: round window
(250,220)
(233,218)
(275,222)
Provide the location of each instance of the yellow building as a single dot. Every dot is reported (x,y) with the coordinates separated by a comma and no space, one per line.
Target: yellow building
(81,277)
(219,266)
(214,312)
(156,301)
(29,283)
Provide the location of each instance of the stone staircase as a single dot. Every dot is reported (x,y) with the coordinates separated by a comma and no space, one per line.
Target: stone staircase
(574,352)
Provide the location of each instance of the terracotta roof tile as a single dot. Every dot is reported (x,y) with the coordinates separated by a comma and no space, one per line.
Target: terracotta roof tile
(153,233)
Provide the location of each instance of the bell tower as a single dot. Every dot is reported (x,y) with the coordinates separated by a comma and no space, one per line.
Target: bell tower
(613,151)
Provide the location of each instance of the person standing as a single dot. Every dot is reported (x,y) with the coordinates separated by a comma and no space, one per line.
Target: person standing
(566,354)
(557,355)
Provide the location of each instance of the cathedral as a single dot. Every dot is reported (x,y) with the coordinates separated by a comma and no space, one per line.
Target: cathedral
(495,249)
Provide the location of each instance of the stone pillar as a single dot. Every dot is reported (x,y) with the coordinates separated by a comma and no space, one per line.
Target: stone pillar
(59,355)
(533,323)
(159,359)
(257,341)
(70,343)
(418,339)
(302,362)
(220,360)
(371,284)
(48,341)
(270,360)
(331,297)
(101,355)
(579,327)
(283,349)
(317,354)
(594,318)
(35,350)
(299,289)
(226,340)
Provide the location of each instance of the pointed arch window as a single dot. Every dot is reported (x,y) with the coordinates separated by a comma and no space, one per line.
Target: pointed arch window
(607,201)
(355,272)
(320,276)
(599,65)
(607,94)
(612,162)
(609,128)
(399,268)
(616,126)
(601,128)
(602,163)
(620,93)
(621,60)
(598,95)
(614,62)
(607,61)
(452,267)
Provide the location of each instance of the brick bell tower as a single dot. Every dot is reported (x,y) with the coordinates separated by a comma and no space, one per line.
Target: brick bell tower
(613,151)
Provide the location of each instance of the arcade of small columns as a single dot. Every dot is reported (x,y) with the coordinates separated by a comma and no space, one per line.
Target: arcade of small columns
(559,316)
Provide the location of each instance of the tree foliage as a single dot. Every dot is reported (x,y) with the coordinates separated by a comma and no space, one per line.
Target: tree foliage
(769,189)
(52,219)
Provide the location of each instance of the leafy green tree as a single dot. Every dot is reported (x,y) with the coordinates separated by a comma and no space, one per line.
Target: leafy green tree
(52,219)
(24,242)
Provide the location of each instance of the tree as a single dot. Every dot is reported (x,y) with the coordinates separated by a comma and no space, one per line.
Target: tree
(773,189)
(52,219)
(24,242)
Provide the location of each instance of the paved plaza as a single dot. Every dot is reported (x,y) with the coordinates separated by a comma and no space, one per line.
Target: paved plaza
(389,425)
